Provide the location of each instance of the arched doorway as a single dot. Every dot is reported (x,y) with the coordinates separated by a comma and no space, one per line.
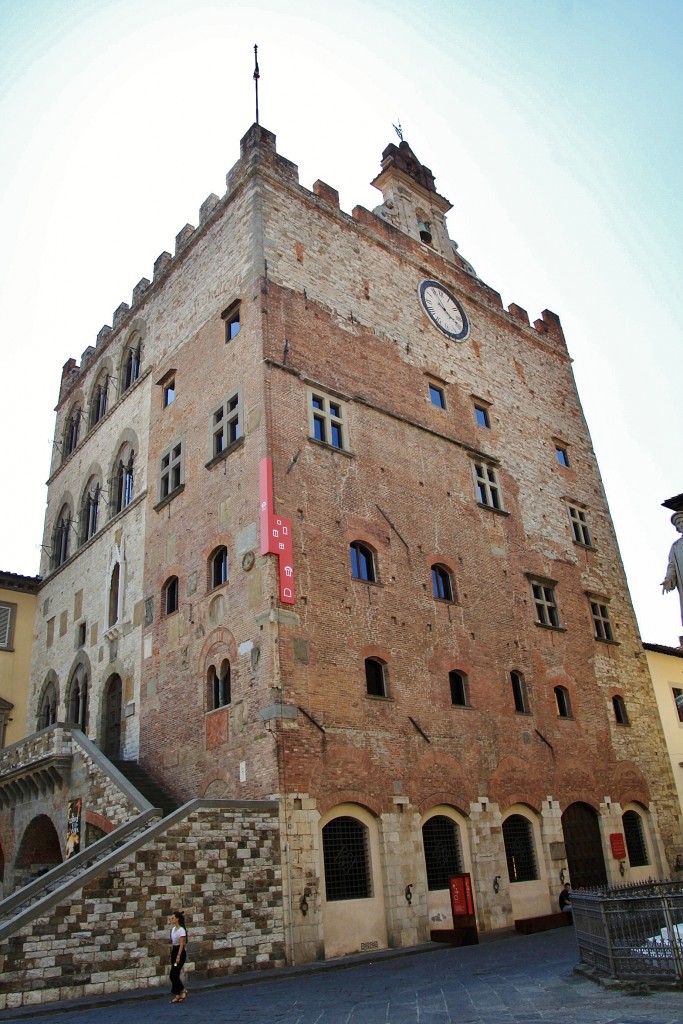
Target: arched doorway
(39,850)
(585,859)
(112,718)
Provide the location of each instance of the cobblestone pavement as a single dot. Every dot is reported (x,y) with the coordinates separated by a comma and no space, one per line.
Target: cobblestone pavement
(516,980)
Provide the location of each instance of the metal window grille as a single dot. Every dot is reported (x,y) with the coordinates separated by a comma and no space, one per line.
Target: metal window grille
(579,521)
(601,622)
(362,563)
(347,860)
(441,583)
(458,684)
(546,607)
(488,490)
(518,836)
(442,849)
(635,839)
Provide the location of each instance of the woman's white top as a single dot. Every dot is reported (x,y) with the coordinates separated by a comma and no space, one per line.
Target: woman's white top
(177,934)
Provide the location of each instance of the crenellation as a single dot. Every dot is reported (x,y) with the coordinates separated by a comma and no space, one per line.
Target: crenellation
(183,237)
(120,314)
(140,289)
(161,265)
(207,208)
(103,335)
(519,314)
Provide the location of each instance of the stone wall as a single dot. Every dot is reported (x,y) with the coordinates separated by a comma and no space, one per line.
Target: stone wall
(220,866)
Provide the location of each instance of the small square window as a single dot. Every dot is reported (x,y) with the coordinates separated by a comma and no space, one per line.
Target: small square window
(225,423)
(562,455)
(546,605)
(327,421)
(231,318)
(437,397)
(488,488)
(481,415)
(169,393)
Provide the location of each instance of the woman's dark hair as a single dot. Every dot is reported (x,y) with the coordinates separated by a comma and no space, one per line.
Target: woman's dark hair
(180,917)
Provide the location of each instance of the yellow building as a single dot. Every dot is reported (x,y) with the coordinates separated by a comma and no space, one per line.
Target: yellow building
(17,612)
(666,669)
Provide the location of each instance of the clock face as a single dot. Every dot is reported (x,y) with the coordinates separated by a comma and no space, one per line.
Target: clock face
(444,310)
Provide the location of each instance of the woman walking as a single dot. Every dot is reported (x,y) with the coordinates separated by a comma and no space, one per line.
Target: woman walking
(178,955)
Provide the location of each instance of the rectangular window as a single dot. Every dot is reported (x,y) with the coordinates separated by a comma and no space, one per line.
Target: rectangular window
(231,318)
(488,488)
(436,396)
(169,393)
(327,421)
(7,616)
(562,455)
(579,521)
(601,622)
(225,423)
(172,470)
(481,415)
(546,605)
(677,694)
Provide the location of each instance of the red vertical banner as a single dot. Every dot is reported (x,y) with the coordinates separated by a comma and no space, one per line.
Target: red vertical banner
(462,903)
(276,533)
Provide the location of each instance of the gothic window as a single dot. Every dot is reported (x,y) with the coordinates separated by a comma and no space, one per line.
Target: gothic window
(442,585)
(130,370)
(375,677)
(635,839)
(123,482)
(98,398)
(71,428)
(47,709)
(442,850)
(61,537)
(362,562)
(518,836)
(219,686)
(346,857)
(89,511)
(77,699)
(458,687)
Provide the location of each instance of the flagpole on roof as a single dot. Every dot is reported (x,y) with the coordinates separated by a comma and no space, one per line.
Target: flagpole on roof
(256,78)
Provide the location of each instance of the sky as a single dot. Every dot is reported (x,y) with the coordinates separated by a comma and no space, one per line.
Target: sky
(555,127)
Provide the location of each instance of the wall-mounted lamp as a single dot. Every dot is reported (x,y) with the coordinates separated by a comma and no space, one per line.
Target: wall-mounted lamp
(496,884)
(409,893)
(562,875)
(622,869)
(303,902)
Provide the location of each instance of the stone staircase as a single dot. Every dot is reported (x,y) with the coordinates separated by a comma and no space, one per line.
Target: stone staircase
(147,786)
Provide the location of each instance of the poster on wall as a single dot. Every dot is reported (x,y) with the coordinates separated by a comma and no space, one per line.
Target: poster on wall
(73,828)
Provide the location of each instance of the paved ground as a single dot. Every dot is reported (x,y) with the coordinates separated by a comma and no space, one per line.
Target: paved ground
(515,980)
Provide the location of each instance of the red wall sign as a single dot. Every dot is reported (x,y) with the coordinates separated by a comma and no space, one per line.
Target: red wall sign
(617,843)
(276,533)
(462,903)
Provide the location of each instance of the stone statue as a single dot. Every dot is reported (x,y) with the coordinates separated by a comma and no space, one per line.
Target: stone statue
(674,572)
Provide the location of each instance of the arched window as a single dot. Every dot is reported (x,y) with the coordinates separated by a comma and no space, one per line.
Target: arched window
(635,839)
(98,398)
(60,538)
(123,481)
(71,428)
(346,857)
(519,694)
(219,566)
(375,677)
(219,686)
(170,595)
(77,698)
(114,590)
(130,369)
(89,511)
(518,836)
(442,585)
(442,849)
(47,709)
(620,712)
(564,708)
(362,562)
(458,685)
